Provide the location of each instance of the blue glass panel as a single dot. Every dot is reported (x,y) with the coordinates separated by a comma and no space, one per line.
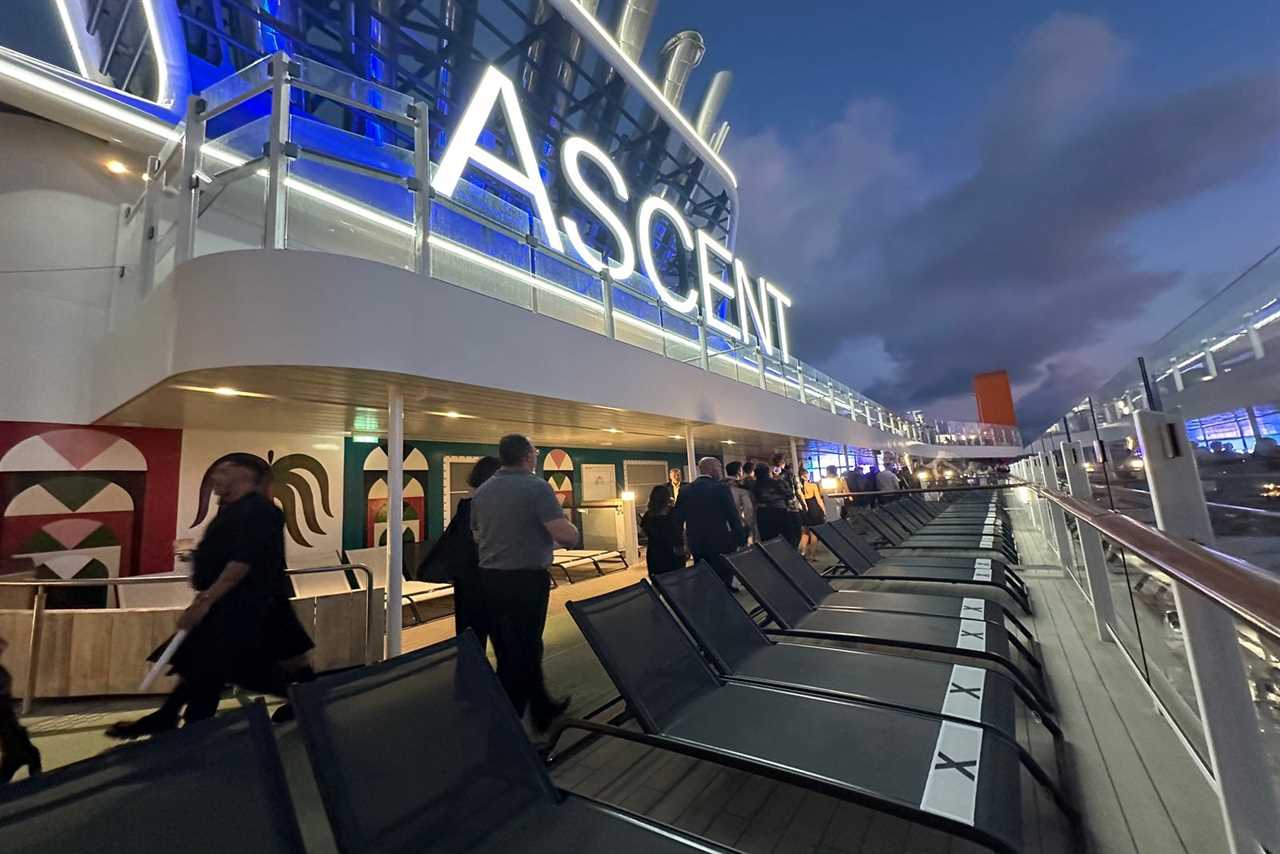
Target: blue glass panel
(629,303)
(461,228)
(553,269)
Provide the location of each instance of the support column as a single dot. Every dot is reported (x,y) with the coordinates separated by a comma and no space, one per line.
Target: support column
(1095,561)
(395,518)
(690,453)
(795,457)
(1236,752)
(1255,342)
(277,165)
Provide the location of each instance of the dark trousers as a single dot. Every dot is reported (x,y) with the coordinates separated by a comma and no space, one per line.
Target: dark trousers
(515,601)
(468,609)
(16,748)
(719,564)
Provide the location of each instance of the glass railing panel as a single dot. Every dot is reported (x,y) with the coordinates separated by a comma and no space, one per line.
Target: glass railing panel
(233,216)
(228,88)
(320,218)
(354,88)
(1260,653)
(1164,651)
(638,321)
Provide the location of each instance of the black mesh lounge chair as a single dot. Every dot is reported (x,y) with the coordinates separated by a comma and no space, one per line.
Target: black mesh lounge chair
(907,517)
(818,589)
(977,544)
(968,640)
(475,785)
(953,776)
(737,647)
(214,787)
(864,562)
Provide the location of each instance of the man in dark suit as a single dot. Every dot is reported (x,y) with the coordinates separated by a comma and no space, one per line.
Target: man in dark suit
(713,526)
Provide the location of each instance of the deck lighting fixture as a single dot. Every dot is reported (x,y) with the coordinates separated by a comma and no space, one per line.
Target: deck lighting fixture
(116,167)
(612,430)
(628,495)
(675,437)
(365,440)
(224,391)
(451,414)
(727,442)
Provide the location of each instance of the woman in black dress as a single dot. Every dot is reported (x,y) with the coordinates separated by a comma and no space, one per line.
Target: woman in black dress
(773,496)
(665,542)
(454,559)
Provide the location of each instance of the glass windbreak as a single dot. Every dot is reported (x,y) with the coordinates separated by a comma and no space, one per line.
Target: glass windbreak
(1260,653)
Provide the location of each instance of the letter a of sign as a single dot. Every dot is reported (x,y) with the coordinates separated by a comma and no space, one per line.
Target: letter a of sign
(465,148)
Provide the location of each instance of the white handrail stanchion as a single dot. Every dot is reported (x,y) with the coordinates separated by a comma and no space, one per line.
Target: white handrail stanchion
(1237,755)
(1057,519)
(395,518)
(277,166)
(1095,561)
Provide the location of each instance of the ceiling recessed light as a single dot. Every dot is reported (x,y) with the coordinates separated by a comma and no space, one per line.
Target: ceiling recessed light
(450,414)
(365,440)
(115,167)
(727,442)
(326,446)
(677,437)
(607,444)
(225,391)
(612,430)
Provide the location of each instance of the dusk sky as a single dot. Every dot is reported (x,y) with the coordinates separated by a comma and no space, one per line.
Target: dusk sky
(952,188)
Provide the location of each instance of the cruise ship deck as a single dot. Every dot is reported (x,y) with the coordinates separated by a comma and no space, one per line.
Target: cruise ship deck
(348,247)
(1137,788)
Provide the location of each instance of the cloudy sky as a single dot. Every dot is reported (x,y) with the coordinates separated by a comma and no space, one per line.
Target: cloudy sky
(952,188)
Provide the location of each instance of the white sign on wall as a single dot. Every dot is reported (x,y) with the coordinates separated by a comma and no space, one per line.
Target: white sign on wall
(756,303)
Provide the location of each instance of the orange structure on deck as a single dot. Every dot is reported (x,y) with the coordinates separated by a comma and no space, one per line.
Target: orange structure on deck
(995,399)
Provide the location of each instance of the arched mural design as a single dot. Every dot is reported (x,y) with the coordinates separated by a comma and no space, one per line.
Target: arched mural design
(289,488)
(557,468)
(375,492)
(71,502)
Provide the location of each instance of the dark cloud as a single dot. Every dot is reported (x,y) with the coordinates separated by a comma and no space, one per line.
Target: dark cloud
(1020,262)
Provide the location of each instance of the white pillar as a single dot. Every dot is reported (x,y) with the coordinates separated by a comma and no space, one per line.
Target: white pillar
(277,165)
(690,453)
(630,534)
(1236,752)
(1095,561)
(395,518)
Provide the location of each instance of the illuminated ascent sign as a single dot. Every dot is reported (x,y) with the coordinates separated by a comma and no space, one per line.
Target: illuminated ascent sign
(755,305)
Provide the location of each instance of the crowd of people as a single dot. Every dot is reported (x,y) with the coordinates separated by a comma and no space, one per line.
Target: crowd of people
(728,507)
(496,552)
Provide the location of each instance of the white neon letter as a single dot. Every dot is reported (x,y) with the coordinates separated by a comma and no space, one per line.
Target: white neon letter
(758,309)
(571,150)
(465,148)
(708,246)
(782,302)
(644,235)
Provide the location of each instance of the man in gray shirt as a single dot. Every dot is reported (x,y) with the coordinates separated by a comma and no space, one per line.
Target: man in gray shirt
(517,523)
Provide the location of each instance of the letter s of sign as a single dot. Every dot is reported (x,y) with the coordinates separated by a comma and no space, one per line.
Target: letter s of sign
(651,206)
(571,152)
(495,87)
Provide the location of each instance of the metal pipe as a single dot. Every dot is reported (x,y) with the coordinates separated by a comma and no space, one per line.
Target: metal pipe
(712,101)
(680,55)
(395,517)
(635,18)
(33,650)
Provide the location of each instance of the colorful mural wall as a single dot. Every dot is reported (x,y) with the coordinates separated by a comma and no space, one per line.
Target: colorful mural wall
(307,479)
(564,474)
(87,502)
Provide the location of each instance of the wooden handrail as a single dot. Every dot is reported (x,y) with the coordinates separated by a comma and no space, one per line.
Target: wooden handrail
(1248,591)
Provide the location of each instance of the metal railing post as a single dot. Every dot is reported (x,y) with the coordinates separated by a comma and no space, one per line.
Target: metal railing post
(800,379)
(1095,561)
(1255,342)
(606,295)
(760,364)
(1057,519)
(273,236)
(147,251)
(33,650)
(422,191)
(831,396)
(1236,751)
(189,210)
(395,519)
(705,359)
